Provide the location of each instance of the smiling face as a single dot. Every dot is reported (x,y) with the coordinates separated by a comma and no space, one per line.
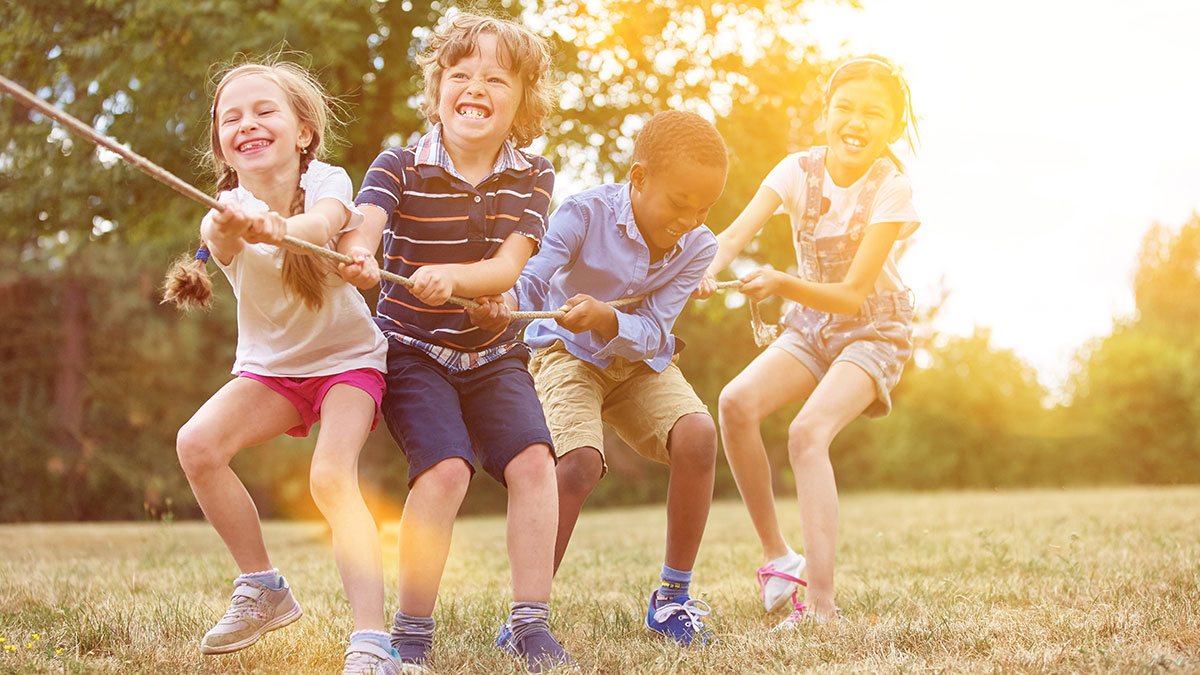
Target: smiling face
(860,122)
(478,100)
(258,133)
(672,200)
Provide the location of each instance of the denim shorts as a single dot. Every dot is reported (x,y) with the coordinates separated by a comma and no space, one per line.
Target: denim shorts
(487,414)
(878,339)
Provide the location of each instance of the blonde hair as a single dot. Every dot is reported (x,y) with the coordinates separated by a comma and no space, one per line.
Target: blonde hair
(188,284)
(520,51)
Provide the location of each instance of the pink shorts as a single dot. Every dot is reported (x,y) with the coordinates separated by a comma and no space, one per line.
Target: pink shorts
(307,393)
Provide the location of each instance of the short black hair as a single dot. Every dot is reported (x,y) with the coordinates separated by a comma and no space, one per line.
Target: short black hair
(674,136)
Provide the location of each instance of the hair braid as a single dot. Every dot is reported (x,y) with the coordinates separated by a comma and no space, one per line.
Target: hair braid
(305,276)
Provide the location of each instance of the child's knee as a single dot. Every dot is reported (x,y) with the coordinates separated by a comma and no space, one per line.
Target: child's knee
(735,407)
(807,438)
(531,466)
(694,439)
(331,483)
(197,450)
(448,478)
(579,471)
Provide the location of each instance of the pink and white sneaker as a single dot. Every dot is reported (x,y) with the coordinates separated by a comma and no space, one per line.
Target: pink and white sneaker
(780,579)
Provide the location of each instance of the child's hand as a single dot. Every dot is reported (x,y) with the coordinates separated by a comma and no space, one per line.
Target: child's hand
(761,283)
(434,284)
(493,314)
(266,228)
(230,223)
(708,286)
(364,272)
(584,313)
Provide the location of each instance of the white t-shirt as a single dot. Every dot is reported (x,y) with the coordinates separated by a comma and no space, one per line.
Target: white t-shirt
(893,204)
(278,335)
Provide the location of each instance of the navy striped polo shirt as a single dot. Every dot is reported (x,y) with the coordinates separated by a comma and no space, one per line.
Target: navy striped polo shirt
(438,217)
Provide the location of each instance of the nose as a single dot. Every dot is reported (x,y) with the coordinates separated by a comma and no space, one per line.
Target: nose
(475,86)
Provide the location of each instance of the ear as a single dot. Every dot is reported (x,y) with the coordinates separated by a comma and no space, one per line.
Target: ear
(897,131)
(304,137)
(637,176)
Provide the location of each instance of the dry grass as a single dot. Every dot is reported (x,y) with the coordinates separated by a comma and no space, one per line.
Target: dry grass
(1039,581)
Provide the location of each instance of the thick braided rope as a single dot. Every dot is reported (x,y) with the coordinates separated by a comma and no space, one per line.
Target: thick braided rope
(191,192)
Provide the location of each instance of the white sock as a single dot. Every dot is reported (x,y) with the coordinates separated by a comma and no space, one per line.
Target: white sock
(791,563)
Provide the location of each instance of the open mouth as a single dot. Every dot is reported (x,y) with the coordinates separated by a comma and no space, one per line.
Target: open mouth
(253,145)
(473,111)
(675,233)
(853,141)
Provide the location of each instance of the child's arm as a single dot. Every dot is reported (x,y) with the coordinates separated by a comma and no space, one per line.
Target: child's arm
(361,244)
(844,297)
(222,231)
(735,237)
(434,284)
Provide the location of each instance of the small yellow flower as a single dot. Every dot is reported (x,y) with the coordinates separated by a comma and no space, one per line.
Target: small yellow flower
(36,637)
(58,651)
(29,646)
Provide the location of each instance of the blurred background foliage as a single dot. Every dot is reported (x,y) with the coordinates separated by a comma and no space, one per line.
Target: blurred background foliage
(98,375)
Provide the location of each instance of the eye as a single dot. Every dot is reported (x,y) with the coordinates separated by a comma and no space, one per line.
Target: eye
(458,76)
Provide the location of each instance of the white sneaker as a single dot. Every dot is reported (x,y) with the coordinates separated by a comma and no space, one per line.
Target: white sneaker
(779,580)
(367,658)
(253,610)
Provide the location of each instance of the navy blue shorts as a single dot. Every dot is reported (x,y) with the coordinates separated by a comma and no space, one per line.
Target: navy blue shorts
(490,413)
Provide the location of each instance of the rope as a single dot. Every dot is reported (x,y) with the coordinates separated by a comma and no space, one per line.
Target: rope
(191,192)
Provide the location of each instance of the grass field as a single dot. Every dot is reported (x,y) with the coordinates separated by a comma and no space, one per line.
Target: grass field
(1038,581)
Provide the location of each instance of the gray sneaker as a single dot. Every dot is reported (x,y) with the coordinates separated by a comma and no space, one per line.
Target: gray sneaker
(253,610)
(367,658)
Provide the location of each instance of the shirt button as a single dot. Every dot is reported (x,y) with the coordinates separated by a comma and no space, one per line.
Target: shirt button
(629,292)
(478,199)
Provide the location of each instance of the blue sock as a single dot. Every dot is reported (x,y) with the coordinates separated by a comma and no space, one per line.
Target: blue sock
(418,629)
(674,584)
(269,578)
(377,637)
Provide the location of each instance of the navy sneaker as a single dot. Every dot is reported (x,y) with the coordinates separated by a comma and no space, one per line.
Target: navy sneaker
(679,619)
(535,646)
(413,655)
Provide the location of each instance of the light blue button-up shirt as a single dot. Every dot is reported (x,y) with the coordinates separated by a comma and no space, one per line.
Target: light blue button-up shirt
(593,246)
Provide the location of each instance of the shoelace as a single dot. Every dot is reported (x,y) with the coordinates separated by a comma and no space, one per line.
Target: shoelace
(692,609)
(767,571)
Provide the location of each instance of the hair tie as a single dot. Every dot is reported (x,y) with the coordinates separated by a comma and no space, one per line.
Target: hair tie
(202,255)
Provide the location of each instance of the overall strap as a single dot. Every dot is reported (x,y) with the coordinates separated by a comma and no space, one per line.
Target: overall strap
(859,220)
(814,186)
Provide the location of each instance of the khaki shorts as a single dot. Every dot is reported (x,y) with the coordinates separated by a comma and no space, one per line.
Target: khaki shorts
(642,406)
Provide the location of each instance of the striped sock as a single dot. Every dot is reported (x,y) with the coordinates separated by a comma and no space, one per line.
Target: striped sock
(412,629)
(525,616)
(674,584)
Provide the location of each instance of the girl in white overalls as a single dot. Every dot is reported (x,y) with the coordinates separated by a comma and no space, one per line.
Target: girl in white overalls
(846,340)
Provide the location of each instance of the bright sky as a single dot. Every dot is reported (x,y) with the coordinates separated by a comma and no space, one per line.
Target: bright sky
(1054,134)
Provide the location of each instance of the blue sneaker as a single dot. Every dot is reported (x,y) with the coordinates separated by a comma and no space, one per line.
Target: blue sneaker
(679,619)
(504,637)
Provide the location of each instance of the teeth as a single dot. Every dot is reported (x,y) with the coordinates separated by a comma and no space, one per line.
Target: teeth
(856,142)
(253,144)
(472,112)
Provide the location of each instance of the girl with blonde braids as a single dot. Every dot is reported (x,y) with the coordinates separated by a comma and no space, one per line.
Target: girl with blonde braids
(307,350)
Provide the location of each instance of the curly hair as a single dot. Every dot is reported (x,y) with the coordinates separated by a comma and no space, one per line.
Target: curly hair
(520,51)
(676,136)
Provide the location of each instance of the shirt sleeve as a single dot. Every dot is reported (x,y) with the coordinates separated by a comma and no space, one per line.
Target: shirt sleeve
(332,182)
(893,204)
(642,333)
(384,183)
(533,219)
(785,179)
(561,243)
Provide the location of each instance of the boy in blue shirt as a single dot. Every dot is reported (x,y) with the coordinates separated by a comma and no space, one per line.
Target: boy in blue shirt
(642,238)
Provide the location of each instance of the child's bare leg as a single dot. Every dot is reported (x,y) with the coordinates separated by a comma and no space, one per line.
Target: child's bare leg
(425,531)
(346,415)
(532,520)
(577,474)
(772,380)
(844,392)
(692,445)
(241,414)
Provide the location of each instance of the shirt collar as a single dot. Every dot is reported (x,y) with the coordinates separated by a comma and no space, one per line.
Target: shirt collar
(430,151)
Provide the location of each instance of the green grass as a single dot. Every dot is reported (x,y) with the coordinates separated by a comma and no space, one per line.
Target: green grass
(1037,581)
